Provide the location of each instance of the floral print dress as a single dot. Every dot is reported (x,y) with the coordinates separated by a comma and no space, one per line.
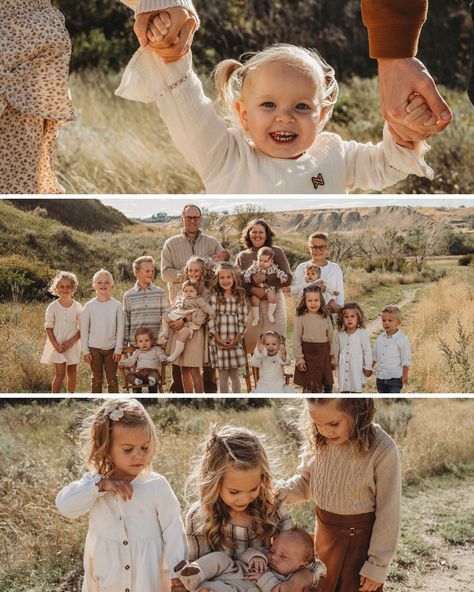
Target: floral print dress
(35,49)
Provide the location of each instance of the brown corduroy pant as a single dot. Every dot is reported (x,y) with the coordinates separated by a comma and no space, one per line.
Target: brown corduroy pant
(342,543)
(102,359)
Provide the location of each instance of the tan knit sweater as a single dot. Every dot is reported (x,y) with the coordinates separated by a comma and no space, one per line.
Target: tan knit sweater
(312,328)
(394,26)
(339,480)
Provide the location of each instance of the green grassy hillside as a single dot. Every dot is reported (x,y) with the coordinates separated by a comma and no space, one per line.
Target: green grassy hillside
(49,242)
(89,215)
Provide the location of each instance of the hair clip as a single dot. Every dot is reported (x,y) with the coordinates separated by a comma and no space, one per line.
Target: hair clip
(116,414)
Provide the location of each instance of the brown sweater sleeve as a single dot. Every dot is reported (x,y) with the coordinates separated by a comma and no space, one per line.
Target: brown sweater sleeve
(393,26)
(282,262)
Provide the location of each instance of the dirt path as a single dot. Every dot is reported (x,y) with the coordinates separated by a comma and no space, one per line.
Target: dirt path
(441,567)
(408,297)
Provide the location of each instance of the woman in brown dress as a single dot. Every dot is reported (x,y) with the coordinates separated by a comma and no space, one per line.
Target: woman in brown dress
(255,235)
(34,98)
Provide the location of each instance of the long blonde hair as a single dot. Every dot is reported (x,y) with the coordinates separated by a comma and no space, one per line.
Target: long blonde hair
(97,430)
(230,75)
(239,449)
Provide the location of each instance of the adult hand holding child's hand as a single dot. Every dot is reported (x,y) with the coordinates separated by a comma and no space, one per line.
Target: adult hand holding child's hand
(398,79)
(169,32)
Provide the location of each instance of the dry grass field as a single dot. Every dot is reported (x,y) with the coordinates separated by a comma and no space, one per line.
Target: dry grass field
(41,552)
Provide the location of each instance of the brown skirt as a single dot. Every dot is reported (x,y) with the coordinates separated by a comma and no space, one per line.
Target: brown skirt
(317,357)
(342,543)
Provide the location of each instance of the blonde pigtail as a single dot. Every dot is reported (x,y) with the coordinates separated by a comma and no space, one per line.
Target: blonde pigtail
(225,78)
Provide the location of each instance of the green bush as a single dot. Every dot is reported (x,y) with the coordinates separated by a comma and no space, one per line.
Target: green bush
(466,260)
(395,264)
(23,279)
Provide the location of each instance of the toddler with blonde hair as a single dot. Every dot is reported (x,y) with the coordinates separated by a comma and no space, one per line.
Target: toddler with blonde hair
(281,99)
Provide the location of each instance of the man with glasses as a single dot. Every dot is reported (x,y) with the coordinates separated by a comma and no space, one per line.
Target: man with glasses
(174,256)
(331,273)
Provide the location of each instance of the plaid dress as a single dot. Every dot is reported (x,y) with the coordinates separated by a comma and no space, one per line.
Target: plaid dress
(231,318)
(242,537)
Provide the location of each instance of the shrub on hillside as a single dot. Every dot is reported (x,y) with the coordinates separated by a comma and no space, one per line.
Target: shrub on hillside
(396,264)
(23,279)
(466,260)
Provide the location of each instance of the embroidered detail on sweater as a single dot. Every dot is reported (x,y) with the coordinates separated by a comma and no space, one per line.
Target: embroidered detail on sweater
(319,180)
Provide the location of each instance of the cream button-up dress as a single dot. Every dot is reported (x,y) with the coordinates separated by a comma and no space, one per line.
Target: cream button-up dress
(130,546)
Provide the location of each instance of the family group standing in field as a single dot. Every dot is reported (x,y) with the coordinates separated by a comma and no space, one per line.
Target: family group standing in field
(239,535)
(210,326)
(281,99)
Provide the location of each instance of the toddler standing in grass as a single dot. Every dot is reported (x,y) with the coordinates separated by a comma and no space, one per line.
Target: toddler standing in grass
(281,98)
(63,348)
(353,349)
(134,516)
(270,358)
(102,333)
(392,353)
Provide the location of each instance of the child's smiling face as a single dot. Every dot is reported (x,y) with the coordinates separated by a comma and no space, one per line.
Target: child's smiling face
(271,344)
(195,271)
(103,286)
(65,288)
(313,301)
(145,274)
(226,279)
(279,107)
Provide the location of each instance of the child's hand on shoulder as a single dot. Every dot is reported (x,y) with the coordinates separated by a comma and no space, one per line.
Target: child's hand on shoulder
(124,489)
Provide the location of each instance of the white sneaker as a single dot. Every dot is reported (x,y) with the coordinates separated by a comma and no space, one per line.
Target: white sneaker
(151,381)
(138,381)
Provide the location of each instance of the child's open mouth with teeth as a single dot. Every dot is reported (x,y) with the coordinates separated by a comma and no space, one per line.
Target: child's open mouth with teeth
(283,137)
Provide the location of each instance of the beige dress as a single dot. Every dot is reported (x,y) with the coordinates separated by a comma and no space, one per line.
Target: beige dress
(196,351)
(34,99)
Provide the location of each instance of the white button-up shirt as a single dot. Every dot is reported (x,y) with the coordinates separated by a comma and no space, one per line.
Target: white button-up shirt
(391,354)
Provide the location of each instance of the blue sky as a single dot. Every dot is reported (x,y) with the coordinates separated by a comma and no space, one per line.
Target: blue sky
(144,206)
